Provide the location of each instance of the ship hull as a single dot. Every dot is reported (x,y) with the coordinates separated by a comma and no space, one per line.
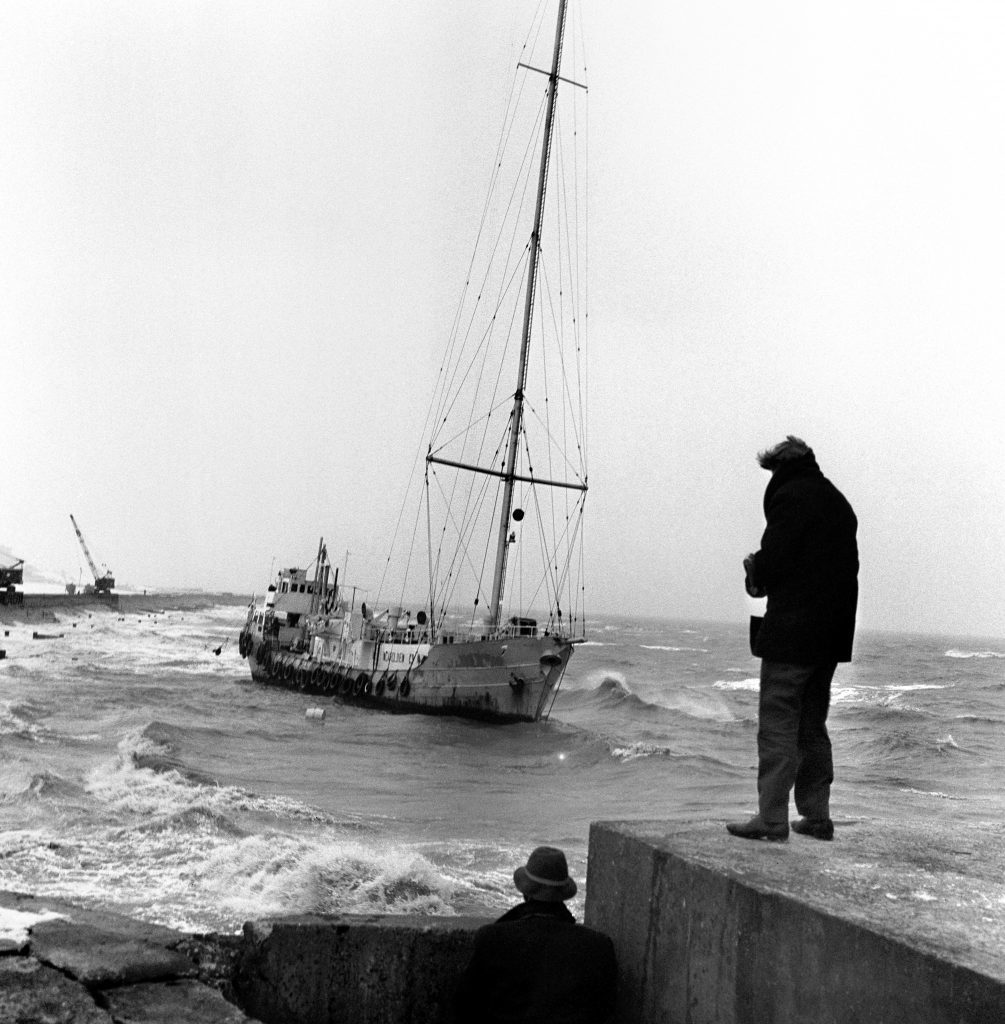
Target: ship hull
(509,679)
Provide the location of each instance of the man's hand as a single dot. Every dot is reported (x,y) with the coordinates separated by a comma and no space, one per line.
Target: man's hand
(751,585)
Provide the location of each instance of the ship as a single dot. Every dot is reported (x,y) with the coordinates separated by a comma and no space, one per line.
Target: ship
(504,478)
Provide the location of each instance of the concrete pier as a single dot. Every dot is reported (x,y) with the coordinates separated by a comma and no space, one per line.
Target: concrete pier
(353,969)
(885,925)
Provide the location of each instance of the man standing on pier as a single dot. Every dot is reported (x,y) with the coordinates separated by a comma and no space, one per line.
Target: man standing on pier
(807,567)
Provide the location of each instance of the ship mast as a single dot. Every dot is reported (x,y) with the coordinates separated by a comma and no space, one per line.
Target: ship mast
(516,416)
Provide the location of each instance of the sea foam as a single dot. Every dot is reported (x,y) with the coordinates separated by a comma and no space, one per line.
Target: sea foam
(738,684)
(275,873)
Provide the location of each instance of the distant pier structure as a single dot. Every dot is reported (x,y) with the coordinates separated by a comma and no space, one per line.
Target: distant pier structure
(11,598)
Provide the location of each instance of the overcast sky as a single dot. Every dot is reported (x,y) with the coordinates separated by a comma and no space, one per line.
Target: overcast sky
(234,234)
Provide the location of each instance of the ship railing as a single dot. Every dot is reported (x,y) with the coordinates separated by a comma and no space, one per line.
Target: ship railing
(395,635)
(517,627)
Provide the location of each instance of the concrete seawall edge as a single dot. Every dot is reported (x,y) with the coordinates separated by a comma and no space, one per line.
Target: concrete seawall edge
(890,926)
(884,924)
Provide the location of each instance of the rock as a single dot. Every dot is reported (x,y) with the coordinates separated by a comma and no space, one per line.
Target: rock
(172,1002)
(106,920)
(72,965)
(15,925)
(99,957)
(97,947)
(31,993)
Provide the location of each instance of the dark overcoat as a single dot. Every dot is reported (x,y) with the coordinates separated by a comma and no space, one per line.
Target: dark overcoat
(536,965)
(808,567)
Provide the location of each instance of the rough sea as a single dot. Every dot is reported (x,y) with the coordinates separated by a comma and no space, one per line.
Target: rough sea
(142,772)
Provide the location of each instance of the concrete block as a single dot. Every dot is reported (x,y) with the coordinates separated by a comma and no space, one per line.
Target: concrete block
(893,925)
(353,969)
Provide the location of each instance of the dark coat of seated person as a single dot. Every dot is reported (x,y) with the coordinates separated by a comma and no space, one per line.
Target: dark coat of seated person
(536,965)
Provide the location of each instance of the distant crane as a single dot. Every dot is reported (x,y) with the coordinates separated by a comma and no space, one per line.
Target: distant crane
(103,582)
(12,575)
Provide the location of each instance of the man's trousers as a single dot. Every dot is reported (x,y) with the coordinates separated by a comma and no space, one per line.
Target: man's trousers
(793,748)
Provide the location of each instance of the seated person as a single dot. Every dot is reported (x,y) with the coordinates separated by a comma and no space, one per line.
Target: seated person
(536,964)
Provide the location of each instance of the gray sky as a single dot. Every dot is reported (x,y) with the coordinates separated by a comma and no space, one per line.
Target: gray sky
(234,235)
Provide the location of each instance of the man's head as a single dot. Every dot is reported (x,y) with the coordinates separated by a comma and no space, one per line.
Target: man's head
(789,450)
(545,876)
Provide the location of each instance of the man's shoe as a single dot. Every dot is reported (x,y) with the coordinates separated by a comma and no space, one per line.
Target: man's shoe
(757,829)
(816,828)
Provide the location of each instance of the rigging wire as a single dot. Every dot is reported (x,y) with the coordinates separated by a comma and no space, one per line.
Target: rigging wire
(486,316)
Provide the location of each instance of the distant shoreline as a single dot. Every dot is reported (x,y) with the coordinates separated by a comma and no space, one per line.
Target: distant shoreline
(46,607)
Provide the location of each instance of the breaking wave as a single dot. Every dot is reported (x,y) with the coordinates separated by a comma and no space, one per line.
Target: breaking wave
(18,721)
(18,783)
(148,778)
(273,874)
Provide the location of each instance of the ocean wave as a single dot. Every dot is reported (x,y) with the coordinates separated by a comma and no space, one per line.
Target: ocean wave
(597,681)
(672,703)
(195,819)
(271,874)
(661,705)
(148,876)
(19,783)
(954,653)
(872,698)
(737,684)
(16,720)
(647,749)
(904,752)
(674,650)
(596,686)
(156,749)
(147,778)
(140,781)
(616,685)
(639,749)
(934,793)
(916,686)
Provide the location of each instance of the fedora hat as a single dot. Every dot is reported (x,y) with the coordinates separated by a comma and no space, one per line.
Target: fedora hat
(545,876)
